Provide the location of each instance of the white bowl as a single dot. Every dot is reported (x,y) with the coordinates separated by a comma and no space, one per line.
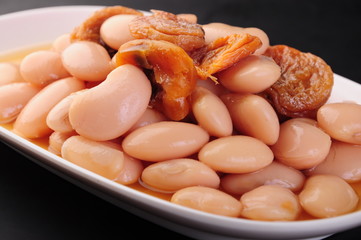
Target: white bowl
(43,26)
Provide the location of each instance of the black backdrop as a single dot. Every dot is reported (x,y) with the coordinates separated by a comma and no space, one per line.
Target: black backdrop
(36,204)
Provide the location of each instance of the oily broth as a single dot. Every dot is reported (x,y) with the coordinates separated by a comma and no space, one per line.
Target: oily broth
(18,55)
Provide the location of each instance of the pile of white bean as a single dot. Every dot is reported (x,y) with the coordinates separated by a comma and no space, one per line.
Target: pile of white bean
(232,157)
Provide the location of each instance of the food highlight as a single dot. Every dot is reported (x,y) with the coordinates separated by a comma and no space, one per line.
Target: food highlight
(211,116)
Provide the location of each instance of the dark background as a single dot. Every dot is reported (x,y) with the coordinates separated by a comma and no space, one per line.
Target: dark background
(36,204)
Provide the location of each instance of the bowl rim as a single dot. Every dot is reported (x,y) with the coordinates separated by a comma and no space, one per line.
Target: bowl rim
(235,227)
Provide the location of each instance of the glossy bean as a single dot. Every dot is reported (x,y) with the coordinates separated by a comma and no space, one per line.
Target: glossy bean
(215,88)
(301,145)
(98,157)
(236,154)
(254,116)
(273,174)
(43,67)
(342,121)
(61,42)
(87,61)
(270,203)
(13,98)
(327,196)
(115,30)
(58,117)
(131,171)
(216,30)
(10,73)
(173,175)
(211,113)
(261,35)
(31,122)
(164,141)
(343,160)
(111,108)
(208,200)
(149,116)
(252,74)
(57,139)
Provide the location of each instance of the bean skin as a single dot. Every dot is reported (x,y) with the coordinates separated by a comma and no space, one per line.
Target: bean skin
(208,200)
(87,61)
(270,203)
(301,145)
(61,42)
(274,174)
(58,117)
(131,171)
(10,73)
(13,98)
(164,141)
(254,116)
(328,196)
(31,122)
(252,74)
(115,30)
(175,174)
(110,109)
(342,121)
(43,67)
(236,154)
(343,160)
(211,113)
(99,157)
(57,139)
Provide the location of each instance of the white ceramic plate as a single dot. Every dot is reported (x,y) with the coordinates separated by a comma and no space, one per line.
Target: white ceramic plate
(38,26)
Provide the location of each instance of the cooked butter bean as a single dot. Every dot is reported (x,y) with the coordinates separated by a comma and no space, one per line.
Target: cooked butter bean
(261,35)
(301,145)
(173,175)
(13,98)
(88,61)
(111,108)
(10,73)
(211,113)
(98,157)
(217,30)
(58,117)
(42,68)
(115,30)
(56,140)
(342,121)
(165,140)
(236,154)
(270,203)
(215,88)
(327,196)
(273,174)
(61,42)
(208,200)
(343,160)
(131,171)
(252,74)
(254,116)
(149,116)
(31,122)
